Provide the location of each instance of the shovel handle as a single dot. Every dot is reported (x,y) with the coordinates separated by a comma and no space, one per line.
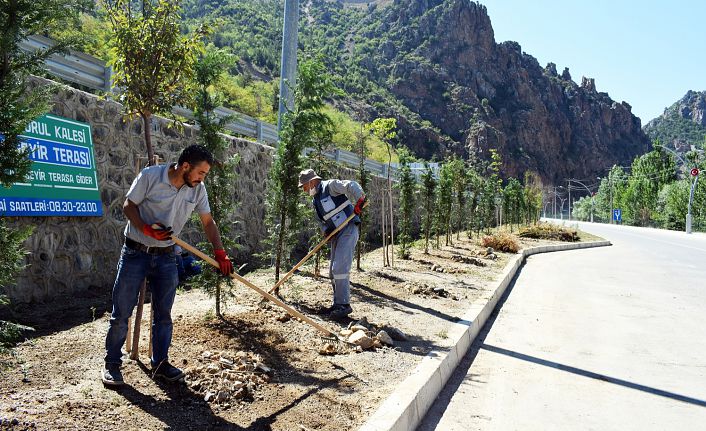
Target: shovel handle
(313,251)
(265,294)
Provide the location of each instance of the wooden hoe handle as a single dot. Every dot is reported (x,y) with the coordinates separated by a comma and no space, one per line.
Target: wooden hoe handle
(313,251)
(265,294)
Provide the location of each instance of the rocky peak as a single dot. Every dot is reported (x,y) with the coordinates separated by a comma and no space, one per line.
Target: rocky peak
(464,93)
(692,107)
(588,84)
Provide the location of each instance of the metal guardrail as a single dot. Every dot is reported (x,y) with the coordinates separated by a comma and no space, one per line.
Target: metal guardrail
(94,73)
(75,67)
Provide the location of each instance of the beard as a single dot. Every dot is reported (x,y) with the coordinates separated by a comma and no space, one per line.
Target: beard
(187,181)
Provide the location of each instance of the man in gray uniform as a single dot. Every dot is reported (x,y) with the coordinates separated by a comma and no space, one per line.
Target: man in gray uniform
(158,204)
(333,202)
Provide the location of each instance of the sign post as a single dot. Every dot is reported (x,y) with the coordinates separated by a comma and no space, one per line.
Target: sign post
(62,180)
(617,215)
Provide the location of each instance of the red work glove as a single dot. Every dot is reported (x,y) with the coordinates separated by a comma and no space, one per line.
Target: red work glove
(158,231)
(359,205)
(224,263)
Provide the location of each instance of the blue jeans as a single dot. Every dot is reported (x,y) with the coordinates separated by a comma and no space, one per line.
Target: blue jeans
(162,277)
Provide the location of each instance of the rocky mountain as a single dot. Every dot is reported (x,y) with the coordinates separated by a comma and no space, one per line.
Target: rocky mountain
(682,125)
(436,67)
(440,60)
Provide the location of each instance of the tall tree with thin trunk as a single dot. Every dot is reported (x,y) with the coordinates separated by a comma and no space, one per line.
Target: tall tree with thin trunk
(428,193)
(154,61)
(302,127)
(363,180)
(210,66)
(385,130)
(407,185)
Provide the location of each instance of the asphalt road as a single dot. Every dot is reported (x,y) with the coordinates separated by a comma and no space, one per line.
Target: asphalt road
(609,338)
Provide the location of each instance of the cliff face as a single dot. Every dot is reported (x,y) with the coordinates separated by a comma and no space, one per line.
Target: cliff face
(440,60)
(683,124)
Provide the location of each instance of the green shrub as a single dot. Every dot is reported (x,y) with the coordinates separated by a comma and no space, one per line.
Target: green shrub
(549,231)
(502,241)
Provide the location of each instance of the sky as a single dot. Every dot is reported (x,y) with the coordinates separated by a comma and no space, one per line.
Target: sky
(646,53)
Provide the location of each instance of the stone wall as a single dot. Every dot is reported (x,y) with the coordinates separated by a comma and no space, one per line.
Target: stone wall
(75,254)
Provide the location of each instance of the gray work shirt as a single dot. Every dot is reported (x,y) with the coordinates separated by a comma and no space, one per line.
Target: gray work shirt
(158,201)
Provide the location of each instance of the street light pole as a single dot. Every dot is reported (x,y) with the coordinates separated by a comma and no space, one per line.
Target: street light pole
(288,66)
(589,193)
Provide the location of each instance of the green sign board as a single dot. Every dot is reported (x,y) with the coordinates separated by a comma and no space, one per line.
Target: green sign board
(63,180)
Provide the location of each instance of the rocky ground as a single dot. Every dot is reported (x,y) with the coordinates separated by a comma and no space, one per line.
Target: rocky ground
(256,369)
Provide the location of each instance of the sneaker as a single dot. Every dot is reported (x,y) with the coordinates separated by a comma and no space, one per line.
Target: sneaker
(167,371)
(340,311)
(112,375)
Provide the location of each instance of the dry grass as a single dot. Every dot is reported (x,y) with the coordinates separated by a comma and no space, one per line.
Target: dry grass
(502,241)
(550,231)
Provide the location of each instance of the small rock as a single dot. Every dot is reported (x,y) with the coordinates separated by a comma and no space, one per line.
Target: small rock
(361,339)
(345,332)
(355,328)
(328,349)
(396,334)
(384,338)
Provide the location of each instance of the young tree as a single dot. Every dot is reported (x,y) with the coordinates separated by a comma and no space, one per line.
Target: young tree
(154,61)
(363,179)
(513,202)
(428,193)
(407,185)
(532,197)
(321,142)
(209,68)
(459,185)
(19,105)
(301,127)
(385,130)
(444,202)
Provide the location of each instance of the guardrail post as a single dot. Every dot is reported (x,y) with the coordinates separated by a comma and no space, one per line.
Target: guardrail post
(337,155)
(108,77)
(258,127)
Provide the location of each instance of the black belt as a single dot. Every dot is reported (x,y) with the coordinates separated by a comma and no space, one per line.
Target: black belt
(150,250)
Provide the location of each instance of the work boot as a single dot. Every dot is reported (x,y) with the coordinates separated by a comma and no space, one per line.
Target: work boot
(326,310)
(167,371)
(340,311)
(112,375)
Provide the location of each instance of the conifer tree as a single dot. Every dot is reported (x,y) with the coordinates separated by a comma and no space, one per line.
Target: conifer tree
(19,105)
(428,193)
(301,128)
(407,185)
(211,65)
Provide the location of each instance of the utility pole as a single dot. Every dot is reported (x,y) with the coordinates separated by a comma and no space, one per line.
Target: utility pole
(288,65)
(568,183)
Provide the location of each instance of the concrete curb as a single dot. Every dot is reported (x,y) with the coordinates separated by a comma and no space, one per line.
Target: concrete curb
(404,409)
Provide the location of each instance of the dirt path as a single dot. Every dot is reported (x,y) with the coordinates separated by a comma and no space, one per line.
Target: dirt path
(52,381)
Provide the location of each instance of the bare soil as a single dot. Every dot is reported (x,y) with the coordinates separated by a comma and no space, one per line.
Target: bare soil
(52,381)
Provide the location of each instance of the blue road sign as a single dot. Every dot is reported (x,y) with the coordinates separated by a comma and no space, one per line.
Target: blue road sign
(617,215)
